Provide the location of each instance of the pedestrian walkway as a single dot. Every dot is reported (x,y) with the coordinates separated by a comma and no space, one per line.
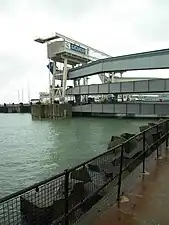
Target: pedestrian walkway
(148,203)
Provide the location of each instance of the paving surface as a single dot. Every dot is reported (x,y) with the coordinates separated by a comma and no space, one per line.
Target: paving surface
(148,202)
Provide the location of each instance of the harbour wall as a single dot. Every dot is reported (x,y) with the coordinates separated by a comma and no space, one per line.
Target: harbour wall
(124,109)
(15,108)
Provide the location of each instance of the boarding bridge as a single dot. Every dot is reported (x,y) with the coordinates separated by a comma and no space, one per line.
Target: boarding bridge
(158,59)
(140,86)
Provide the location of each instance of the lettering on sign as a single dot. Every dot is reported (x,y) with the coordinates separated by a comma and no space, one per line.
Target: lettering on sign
(67,45)
(77,48)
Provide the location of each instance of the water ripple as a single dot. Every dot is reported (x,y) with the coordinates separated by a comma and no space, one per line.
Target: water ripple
(34,150)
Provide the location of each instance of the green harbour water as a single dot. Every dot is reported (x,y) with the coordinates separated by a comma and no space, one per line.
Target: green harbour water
(33,150)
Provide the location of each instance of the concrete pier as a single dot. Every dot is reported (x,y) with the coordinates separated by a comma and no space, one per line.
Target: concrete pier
(54,111)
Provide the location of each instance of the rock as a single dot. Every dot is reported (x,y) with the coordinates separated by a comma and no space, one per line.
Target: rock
(131,145)
(149,138)
(33,215)
(161,120)
(143,128)
(60,194)
(125,161)
(162,128)
(77,194)
(81,174)
(128,147)
(109,157)
(115,140)
(151,124)
(127,135)
(94,167)
(92,187)
(107,164)
(90,202)
(98,178)
(103,171)
(108,169)
(149,133)
(156,136)
(36,208)
(50,191)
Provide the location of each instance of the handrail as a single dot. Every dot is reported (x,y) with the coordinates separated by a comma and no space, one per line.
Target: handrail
(34,186)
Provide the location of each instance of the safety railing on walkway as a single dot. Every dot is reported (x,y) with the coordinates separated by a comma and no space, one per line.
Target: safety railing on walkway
(66,197)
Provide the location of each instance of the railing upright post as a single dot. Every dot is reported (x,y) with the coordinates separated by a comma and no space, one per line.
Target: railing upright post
(167,134)
(144,151)
(157,143)
(66,191)
(120,175)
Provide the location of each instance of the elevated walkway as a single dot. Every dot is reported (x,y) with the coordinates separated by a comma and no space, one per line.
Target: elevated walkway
(140,61)
(141,86)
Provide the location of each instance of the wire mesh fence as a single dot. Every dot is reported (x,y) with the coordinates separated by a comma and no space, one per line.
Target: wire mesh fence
(65,198)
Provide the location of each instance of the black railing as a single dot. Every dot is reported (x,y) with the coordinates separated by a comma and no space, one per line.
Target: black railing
(65,198)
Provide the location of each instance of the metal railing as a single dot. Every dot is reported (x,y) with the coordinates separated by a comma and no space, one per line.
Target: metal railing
(66,197)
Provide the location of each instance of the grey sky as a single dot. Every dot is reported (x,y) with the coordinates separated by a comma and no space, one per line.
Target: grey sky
(113,26)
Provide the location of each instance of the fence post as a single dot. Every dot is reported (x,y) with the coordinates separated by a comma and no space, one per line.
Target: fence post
(144,151)
(166,133)
(120,176)
(66,191)
(157,143)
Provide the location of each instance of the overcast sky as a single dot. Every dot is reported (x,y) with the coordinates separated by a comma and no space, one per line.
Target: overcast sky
(114,26)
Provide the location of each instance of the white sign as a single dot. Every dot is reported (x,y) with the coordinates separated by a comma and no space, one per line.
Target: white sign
(67,45)
(75,48)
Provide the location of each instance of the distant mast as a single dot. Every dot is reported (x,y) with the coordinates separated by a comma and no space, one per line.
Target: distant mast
(22,95)
(28,91)
(18,97)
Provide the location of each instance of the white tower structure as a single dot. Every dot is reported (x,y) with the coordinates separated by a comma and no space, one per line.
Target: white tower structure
(68,53)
